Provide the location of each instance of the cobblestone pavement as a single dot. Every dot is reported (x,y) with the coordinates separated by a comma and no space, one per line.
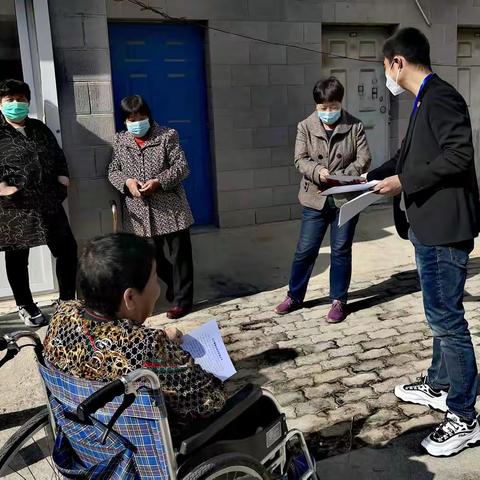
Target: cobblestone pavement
(336,382)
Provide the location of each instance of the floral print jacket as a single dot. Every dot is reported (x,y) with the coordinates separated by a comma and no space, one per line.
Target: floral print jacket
(162,158)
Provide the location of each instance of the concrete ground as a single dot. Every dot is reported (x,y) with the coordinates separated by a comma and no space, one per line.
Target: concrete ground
(334,382)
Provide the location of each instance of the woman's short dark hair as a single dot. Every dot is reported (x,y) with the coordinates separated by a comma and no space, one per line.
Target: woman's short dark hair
(328,90)
(135,104)
(12,87)
(111,264)
(410,43)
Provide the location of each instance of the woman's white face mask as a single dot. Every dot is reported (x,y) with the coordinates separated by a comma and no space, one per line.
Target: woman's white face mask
(392,84)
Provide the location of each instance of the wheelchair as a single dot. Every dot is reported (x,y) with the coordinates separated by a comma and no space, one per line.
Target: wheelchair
(119,430)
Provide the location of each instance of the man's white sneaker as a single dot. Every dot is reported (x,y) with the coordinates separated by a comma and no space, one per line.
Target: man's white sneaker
(452,436)
(32,316)
(421,393)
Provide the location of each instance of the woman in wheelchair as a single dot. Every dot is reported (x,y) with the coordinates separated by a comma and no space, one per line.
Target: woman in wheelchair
(103,337)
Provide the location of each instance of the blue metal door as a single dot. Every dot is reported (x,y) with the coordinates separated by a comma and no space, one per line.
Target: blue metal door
(166,65)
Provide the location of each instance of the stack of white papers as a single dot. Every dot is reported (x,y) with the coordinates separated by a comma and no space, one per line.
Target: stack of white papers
(355,206)
(205,345)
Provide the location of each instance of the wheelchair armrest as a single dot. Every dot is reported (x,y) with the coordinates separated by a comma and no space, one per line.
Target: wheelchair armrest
(234,407)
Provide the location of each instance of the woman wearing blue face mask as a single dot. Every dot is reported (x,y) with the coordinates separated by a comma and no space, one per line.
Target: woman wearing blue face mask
(148,167)
(33,184)
(329,142)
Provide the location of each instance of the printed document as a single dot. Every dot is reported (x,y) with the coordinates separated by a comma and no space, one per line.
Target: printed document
(205,345)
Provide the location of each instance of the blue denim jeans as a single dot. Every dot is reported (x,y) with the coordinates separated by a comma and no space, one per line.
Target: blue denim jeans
(314,226)
(443,273)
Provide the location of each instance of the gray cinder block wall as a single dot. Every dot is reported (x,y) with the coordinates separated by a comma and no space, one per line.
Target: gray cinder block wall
(257,92)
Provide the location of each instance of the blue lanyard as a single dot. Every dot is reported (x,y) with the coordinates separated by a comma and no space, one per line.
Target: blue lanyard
(422,86)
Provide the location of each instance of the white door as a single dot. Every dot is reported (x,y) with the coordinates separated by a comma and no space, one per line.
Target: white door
(22,53)
(468,81)
(364,81)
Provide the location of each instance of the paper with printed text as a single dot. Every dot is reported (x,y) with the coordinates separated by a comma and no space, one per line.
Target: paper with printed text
(205,345)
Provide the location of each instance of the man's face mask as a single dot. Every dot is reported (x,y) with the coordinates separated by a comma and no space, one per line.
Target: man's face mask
(15,111)
(392,84)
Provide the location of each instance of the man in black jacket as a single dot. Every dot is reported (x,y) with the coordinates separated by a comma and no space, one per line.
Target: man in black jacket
(33,183)
(436,205)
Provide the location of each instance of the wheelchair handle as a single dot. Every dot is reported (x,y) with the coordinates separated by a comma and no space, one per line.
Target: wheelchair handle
(125,385)
(100,398)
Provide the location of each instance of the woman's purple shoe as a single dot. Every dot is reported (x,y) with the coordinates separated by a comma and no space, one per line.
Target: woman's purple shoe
(287,306)
(338,312)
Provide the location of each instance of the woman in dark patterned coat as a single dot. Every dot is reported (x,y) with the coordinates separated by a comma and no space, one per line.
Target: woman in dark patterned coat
(148,166)
(33,184)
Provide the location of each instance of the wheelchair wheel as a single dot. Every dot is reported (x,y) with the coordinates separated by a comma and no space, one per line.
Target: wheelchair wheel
(228,466)
(27,453)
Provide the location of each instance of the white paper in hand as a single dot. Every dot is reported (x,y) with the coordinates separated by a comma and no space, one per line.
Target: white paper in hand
(205,345)
(355,206)
(360,187)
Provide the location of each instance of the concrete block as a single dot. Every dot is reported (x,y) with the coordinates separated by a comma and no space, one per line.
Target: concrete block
(301,10)
(87,65)
(238,218)
(231,97)
(264,54)
(103,156)
(267,96)
(266,9)
(296,212)
(234,180)
(81,162)
(287,74)
(123,10)
(305,53)
(96,32)
(92,130)
(224,117)
(67,32)
(252,118)
(101,97)
(469,16)
(250,75)
(271,177)
(285,195)
(292,134)
(294,176)
(250,29)
(285,32)
(227,159)
(81,97)
(313,73)
(312,32)
(286,116)
(244,199)
(61,8)
(233,137)
(219,76)
(300,95)
(85,223)
(202,10)
(270,137)
(227,50)
(282,156)
(272,214)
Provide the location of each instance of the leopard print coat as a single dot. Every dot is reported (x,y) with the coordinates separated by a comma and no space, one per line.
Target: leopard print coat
(86,346)
(162,157)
